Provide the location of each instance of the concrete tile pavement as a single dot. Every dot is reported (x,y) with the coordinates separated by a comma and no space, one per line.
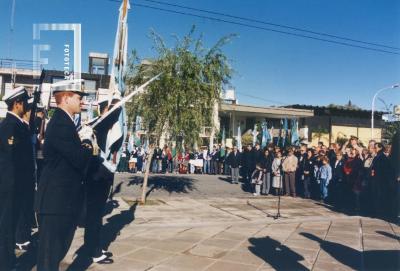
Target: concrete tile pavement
(237,234)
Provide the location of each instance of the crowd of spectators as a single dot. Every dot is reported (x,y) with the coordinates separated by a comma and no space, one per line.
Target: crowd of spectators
(349,176)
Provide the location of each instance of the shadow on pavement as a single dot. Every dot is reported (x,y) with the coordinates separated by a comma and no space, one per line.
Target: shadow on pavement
(225,179)
(390,235)
(351,212)
(109,234)
(115,190)
(278,256)
(110,206)
(356,260)
(246,187)
(170,184)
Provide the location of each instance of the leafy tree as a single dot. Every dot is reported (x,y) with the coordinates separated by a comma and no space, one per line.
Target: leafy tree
(319,132)
(182,100)
(247,139)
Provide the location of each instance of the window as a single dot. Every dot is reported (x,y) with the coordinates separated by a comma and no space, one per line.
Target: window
(90,84)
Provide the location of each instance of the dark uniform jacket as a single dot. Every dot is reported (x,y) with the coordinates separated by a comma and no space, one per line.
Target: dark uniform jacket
(61,183)
(16,155)
(16,171)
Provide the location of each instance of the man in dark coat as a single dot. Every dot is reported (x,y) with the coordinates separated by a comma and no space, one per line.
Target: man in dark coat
(234,162)
(266,164)
(258,153)
(14,147)
(249,161)
(380,181)
(60,192)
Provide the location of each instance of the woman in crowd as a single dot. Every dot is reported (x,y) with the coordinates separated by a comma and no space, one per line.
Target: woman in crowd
(308,172)
(352,170)
(276,170)
(266,164)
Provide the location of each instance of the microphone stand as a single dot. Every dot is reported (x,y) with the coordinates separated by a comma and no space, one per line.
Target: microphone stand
(278,213)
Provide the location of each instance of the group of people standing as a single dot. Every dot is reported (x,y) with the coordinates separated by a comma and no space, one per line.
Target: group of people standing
(348,176)
(54,190)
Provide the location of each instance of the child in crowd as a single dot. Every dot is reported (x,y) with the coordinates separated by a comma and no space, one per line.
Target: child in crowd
(324,175)
(256,179)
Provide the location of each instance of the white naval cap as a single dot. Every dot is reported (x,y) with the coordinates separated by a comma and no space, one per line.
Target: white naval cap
(16,94)
(77,86)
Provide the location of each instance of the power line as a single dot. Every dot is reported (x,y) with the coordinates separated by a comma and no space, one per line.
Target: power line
(263,28)
(272,24)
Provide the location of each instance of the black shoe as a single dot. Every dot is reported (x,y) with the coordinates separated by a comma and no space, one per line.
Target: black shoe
(107,253)
(103,259)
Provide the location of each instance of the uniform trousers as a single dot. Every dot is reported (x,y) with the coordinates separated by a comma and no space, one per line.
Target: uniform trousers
(56,233)
(8,217)
(26,217)
(96,198)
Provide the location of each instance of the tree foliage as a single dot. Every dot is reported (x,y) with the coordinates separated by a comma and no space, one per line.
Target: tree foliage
(182,100)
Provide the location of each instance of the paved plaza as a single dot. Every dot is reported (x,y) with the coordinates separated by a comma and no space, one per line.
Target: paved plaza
(205,223)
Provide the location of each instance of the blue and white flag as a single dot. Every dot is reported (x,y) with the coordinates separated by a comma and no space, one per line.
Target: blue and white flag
(279,142)
(285,130)
(295,133)
(131,142)
(254,133)
(77,120)
(138,123)
(89,112)
(265,135)
(239,138)
(223,142)
(271,133)
(117,134)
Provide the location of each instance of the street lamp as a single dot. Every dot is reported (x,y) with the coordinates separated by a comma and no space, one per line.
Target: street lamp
(373,106)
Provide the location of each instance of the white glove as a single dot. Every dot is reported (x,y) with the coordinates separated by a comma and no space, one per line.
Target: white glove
(86,133)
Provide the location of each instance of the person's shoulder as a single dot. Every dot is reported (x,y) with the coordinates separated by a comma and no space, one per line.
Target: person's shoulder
(7,128)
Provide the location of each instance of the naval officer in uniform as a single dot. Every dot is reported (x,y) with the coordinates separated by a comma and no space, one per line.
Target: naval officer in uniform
(26,194)
(14,146)
(60,192)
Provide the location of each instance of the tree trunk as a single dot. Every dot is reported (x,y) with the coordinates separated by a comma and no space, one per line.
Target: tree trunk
(146,175)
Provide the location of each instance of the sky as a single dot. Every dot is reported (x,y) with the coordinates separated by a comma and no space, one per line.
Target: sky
(270,68)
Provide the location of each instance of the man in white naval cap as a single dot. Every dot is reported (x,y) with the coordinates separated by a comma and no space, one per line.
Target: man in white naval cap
(26,192)
(14,167)
(60,192)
